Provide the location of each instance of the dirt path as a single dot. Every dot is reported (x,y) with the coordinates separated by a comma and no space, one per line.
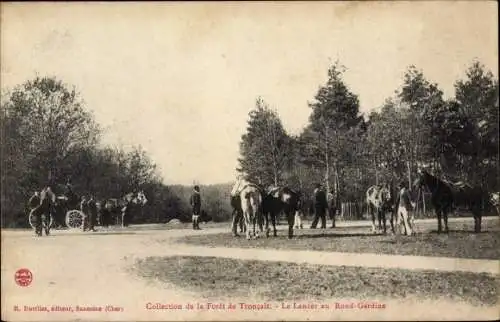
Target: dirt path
(72,268)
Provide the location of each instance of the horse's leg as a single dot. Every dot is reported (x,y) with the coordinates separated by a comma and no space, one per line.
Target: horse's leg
(234,225)
(406,214)
(273,221)
(476,212)
(384,222)
(438,215)
(246,216)
(445,219)
(372,211)
(266,218)
(334,212)
(379,217)
(291,220)
(393,215)
(242,223)
(261,222)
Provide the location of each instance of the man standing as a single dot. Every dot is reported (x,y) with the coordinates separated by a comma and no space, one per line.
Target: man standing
(85,209)
(237,213)
(405,209)
(34,201)
(320,207)
(92,213)
(43,210)
(332,206)
(195,202)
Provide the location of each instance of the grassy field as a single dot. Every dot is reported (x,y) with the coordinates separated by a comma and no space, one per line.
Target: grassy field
(218,278)
(460,242)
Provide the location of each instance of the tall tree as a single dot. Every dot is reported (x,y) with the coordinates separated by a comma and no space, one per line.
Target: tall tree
(51,122)
(477,99)
(335,112)
(265,147)
(423,99)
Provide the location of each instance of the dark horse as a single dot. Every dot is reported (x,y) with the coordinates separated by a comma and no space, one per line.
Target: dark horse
(446,196)
(277,200)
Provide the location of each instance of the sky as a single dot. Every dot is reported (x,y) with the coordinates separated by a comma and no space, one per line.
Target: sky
(179,79)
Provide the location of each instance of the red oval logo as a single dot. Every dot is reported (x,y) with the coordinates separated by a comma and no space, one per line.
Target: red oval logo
(23,277)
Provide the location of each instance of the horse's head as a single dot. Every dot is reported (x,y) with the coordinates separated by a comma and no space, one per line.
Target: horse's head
(141,198)
(385,193)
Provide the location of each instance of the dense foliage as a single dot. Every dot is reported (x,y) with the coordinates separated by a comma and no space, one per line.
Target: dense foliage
(457,138)
(49,136)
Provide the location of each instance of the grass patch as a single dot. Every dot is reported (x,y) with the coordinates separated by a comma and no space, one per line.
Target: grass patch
(221,279)
(460,242)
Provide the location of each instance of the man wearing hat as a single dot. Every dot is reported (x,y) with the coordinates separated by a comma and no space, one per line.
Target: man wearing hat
(195,202)
(42,212)
(320,207)
(404,208)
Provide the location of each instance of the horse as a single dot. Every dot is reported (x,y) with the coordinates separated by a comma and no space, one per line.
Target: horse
(120,208)
(278,199)
(251,203)
(380,200)
(447,195)
(134,203)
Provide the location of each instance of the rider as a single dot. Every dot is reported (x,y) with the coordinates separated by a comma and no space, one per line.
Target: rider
(195,202)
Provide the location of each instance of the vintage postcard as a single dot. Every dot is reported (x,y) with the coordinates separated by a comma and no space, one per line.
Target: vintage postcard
(227,161)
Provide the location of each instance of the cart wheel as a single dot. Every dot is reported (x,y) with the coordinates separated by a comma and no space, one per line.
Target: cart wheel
(32,220)
(74,219)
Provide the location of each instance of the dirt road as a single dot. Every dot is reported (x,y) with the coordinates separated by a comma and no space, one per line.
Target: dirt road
(90,270)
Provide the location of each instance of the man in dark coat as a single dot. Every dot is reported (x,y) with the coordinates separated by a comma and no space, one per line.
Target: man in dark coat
(320,207)
(34,200)
(128,212)
(332,206)
(91,219)
(43,210)
(195,202)
(85,209)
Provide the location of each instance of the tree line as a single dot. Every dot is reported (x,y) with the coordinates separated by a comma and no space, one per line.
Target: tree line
(457,137)
(50,137)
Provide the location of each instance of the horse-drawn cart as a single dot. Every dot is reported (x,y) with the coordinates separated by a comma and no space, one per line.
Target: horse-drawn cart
(73,218)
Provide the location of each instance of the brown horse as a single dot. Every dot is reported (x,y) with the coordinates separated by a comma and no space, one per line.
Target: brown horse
(447,196)
(277,200)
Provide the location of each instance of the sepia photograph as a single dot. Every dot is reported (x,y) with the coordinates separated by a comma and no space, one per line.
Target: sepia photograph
(249,161)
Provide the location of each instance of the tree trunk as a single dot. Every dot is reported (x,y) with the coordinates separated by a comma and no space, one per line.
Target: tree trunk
(409,173)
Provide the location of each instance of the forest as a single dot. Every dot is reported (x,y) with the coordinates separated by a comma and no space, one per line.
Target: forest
(50,136)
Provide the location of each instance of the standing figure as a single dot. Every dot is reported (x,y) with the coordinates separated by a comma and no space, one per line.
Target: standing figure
(195,202)
(92,213)
(320,207)
(237,214)
(34,201)
(127,212)
(405,210)
(85,209)
(299,212)
(43,210)
(332,206)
